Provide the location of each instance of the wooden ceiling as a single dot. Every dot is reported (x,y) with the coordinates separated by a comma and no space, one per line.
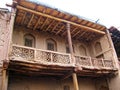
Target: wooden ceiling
(38,17)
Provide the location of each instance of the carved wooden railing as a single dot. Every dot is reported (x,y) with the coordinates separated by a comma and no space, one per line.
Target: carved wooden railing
(41,56)
(83,61)
(103,63)
(94,62)
(50,57)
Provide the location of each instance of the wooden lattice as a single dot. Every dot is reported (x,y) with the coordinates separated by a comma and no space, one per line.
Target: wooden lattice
(52,57)
(83,61)
(22,53)
(108,63)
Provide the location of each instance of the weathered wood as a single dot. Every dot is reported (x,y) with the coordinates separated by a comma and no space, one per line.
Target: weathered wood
(55,26)
(44,24)
(74,30)
(60,30)
(75,81)
(67,75)
(4,80)
(23,18)
(69,38)
(81,34)
(50,25)
(76,33)
(30,20)
(37,23)
(61,20)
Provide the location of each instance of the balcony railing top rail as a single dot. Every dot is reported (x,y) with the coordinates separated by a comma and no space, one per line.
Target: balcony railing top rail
(29,54)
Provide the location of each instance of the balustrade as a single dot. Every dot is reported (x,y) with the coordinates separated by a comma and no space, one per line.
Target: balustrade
(50,57)
(42,56)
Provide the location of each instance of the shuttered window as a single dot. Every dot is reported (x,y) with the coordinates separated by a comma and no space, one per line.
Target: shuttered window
(51,45)
(29,40)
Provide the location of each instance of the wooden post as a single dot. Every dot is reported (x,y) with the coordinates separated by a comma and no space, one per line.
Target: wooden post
(74,76)
(75,82)
(69,38)
(4,80)
(70,43)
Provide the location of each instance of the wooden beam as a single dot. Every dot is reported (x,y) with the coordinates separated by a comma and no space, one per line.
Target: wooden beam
(76,33)
(55,26)
(60,29)
(37,23)
(67,75)
(59,19)
(74,30)
(75,82)
(50,25)
(81,34)
(64,33)
(23,19)
(30,20)
(44,23)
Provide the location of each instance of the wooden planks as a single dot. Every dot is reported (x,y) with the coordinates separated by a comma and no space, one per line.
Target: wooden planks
(59,19)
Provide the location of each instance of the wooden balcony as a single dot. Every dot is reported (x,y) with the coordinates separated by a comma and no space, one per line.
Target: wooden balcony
(23,57)
(88,62)
(27,54)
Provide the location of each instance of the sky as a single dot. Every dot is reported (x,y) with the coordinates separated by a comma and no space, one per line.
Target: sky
(107,11)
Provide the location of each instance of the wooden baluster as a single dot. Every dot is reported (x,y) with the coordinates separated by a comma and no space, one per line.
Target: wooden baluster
(35,54)
(51,57)
(103,63)
(91,64)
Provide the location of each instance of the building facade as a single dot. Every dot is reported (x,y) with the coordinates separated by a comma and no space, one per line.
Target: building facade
(42,48)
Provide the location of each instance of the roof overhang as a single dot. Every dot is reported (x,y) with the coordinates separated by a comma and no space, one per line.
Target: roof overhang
(34,15)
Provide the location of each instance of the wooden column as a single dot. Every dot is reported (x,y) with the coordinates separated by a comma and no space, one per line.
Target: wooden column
(70,43)
(69,38)
(74,76)
(4,80)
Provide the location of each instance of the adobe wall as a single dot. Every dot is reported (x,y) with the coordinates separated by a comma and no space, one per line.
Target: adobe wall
(107,51)
(41,37)
(4,29)
(50,83)
(114,82)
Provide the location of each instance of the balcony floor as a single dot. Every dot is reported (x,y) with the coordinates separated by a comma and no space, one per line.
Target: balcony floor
(36,69)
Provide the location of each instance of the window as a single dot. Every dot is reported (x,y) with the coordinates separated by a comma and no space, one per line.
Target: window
(82,50)
(98,47)
(66,87)
(29,40)
(51,45)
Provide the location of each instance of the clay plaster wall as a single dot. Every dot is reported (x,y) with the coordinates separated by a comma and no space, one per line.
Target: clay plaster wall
(41,37)
(107,51)
(114,82)
(48,83)
(4,39)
